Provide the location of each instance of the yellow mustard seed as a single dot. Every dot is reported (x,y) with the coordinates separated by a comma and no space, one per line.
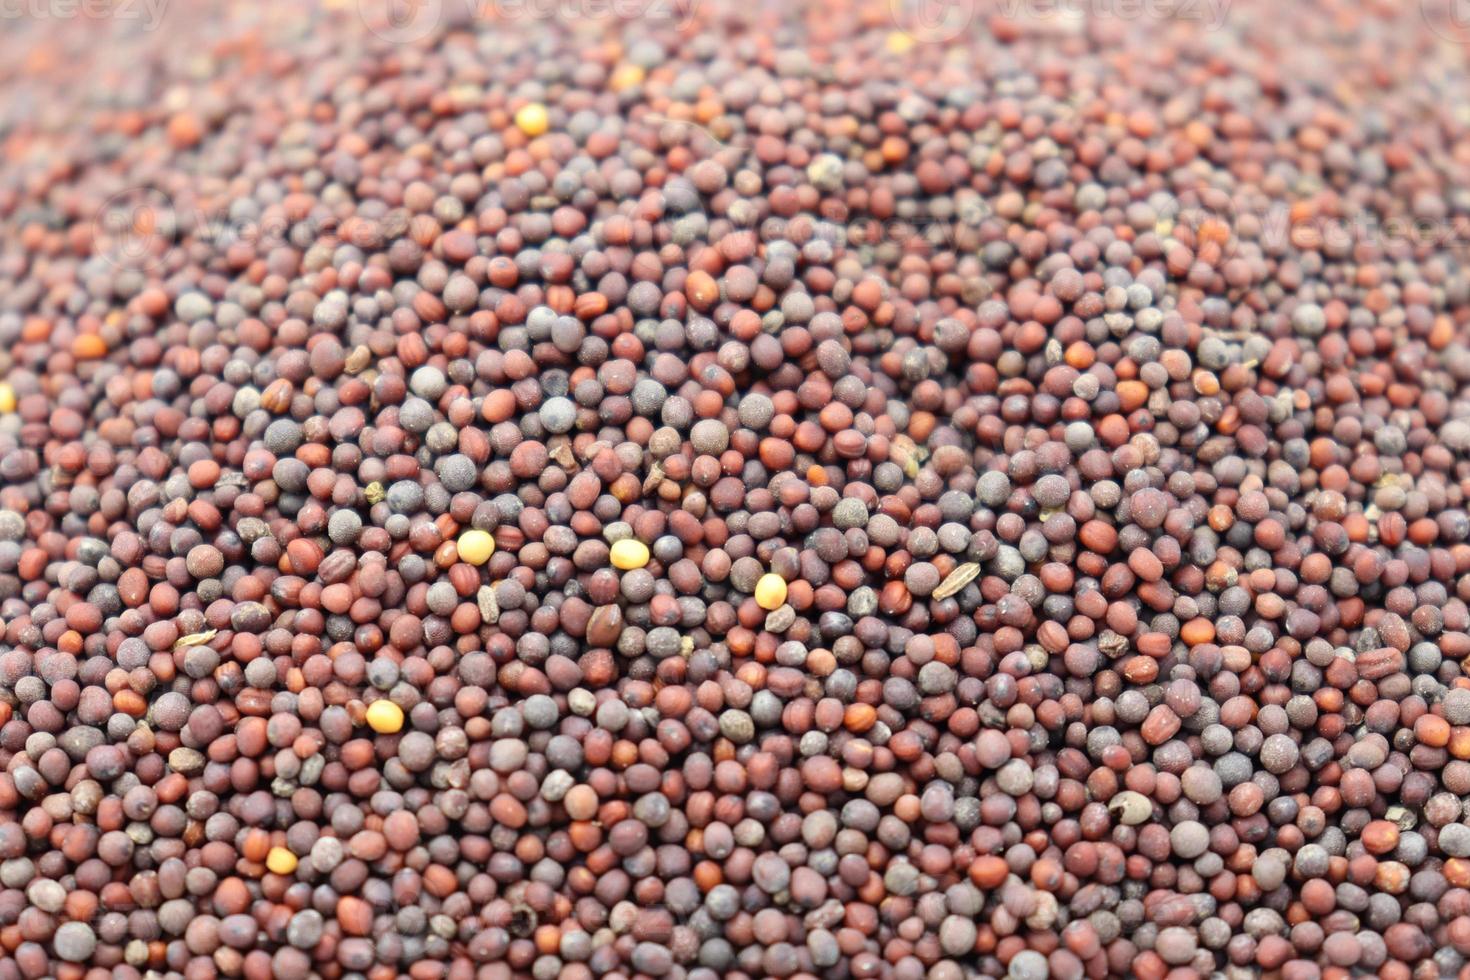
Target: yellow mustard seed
(384,717)
(770,591)
(625,77)
(628,554)
(531,119)
(280,861)
(475,547)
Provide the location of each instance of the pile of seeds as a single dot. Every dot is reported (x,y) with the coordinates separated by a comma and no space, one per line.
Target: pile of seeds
(741,490)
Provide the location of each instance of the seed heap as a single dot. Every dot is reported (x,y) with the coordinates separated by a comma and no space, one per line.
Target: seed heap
(780,493)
